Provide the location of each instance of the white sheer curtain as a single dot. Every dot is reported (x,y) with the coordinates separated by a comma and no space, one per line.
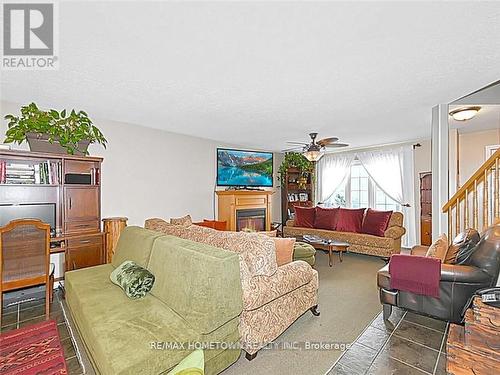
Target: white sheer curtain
(331,170)
(392,171)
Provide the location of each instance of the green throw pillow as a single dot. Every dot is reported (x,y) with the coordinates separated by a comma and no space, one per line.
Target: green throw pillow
(193,364)
(135,280)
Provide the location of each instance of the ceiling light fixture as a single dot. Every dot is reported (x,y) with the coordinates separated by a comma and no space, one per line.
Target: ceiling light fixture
(313,154)
(464,114)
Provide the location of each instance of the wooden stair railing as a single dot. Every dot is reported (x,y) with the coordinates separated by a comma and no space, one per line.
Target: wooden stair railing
(463,208)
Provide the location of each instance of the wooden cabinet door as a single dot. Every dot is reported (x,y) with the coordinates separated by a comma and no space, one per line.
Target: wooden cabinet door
(426,232)
(82,203)
(84,252)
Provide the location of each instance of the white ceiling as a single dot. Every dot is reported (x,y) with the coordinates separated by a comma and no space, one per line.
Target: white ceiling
(258,74)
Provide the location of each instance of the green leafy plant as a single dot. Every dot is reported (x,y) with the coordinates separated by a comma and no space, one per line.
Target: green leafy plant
(340,200)
(66,128)
(295,160)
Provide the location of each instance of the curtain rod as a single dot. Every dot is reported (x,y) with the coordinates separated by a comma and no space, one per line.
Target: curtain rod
(415,143)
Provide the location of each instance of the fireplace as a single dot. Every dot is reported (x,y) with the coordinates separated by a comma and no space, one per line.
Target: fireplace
(245,209)
(252,219)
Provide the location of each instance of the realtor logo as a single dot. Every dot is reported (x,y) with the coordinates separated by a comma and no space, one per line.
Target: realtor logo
(28,36)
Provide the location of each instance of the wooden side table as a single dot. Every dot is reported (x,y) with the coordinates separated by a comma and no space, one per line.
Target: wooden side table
(339,246)
(113,226)
(327,245)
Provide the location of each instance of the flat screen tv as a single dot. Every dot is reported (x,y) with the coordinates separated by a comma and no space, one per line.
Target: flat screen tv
(241,168)
(42,211)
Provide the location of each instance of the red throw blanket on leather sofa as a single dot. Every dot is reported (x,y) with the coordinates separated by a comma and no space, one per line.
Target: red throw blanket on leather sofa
(416,274)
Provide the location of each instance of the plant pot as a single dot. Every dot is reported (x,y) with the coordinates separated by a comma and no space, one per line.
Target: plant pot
(39,142)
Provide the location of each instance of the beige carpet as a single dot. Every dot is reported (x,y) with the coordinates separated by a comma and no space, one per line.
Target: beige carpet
(348,301)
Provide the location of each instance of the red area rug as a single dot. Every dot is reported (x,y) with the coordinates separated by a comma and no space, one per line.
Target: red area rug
(35,349)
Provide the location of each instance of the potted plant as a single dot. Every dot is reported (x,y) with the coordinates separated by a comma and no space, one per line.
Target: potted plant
(295,160)
(52,131)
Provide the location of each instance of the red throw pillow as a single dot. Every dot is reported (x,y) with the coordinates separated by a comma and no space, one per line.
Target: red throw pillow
(304,217)
(350,220)
(376,222)
(326,218)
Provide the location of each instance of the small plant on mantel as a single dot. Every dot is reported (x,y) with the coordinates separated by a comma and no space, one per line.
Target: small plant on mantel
(295,160)
(45,131)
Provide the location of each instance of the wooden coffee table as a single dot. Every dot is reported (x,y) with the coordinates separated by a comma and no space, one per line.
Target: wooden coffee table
(327,245)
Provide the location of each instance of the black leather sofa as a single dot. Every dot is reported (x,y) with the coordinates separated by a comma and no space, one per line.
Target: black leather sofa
(479,265)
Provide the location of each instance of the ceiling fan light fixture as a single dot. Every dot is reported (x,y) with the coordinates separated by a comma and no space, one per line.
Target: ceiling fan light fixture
(313,155)
(314,150)
(464,114)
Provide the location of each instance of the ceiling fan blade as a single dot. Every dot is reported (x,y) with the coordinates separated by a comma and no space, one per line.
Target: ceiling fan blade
(336,145)
(327,141)
(297,148)
(297,143)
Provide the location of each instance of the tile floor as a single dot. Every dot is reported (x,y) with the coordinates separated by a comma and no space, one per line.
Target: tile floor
(407,344)
(33,311)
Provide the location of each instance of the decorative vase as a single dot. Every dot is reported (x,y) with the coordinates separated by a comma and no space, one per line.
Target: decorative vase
(39,142)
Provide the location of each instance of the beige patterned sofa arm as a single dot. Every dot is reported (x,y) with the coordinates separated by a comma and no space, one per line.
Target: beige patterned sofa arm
(395,232)
(289,222)
(263,289)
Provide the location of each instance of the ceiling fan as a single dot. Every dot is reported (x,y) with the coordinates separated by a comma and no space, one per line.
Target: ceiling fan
(313,151)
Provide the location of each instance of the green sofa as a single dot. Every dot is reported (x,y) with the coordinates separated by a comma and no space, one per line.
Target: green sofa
(196,298)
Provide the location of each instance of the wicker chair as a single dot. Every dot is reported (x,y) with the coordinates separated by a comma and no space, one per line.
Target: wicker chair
(25,258)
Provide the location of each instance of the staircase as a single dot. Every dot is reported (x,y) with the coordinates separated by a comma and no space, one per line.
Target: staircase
(476,204)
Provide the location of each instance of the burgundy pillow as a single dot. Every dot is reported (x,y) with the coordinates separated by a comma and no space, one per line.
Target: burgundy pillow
(376,222)
(304,217)
(326,218)
(350,220)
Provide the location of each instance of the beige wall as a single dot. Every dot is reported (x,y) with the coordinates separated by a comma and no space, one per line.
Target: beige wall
(471,151)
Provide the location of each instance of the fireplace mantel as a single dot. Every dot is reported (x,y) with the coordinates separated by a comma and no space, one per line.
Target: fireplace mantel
(230,201)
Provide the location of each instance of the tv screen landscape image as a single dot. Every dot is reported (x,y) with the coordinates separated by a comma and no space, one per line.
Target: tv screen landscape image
(244,168)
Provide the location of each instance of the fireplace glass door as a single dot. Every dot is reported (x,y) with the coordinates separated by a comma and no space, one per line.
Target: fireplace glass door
(251,220)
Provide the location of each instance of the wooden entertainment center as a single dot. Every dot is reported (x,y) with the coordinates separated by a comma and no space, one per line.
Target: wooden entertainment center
(73,185)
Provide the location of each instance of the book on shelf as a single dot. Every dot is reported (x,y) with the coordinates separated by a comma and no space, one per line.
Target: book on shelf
(43,173)
(19,177)
(22,172)
(19,167)
(3,172)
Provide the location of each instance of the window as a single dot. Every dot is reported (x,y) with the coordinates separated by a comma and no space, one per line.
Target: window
(359,187)
(383,202)
(359,191)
